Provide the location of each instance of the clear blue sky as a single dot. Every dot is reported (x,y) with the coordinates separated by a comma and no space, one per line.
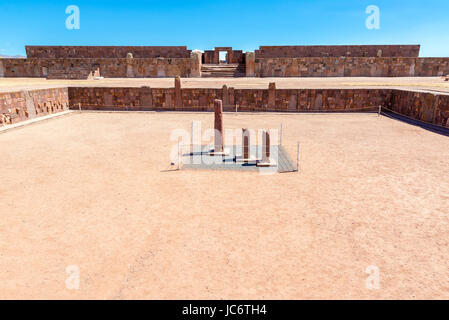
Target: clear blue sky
(242,24)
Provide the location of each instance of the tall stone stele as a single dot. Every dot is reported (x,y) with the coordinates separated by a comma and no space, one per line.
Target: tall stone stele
(195,70)
(218,142)
(245,144)
(250,59)
(178,93)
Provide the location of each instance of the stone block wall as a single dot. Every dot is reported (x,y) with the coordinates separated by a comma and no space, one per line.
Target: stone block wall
(338,51)
(24,105)
(32,68)
(288,100)
(419,105)
(424,106)
(351,67)
(80,68)
(427,107)
(60,52)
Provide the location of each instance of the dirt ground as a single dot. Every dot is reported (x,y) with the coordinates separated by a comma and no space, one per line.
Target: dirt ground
(92,190)
(415,83)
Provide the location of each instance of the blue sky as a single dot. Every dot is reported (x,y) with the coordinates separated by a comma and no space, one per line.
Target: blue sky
(244,24)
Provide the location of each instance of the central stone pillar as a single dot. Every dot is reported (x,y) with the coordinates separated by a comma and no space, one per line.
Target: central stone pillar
(245,143)
(218,108)
(178,93)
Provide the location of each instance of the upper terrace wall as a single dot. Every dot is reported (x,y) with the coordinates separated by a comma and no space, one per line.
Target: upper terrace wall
(337,51)
(56,52)
(275,67)
(110,68)
(351,67)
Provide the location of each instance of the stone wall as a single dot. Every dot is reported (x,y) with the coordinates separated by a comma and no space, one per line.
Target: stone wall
(25,105)
(59,52)
(424,106)
(110,68)
(351,67)
(291,100)
(427,107)
(419,105)
(338,51)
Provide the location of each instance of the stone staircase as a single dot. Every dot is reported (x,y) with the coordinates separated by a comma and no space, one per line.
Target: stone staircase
(223,70)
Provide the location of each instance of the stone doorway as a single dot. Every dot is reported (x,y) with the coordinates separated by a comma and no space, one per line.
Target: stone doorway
(222,57)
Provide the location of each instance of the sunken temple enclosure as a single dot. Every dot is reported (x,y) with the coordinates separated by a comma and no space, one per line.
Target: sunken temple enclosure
(429,107)
(81,62)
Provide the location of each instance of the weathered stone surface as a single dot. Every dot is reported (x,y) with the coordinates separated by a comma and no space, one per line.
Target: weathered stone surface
(55,52)
(233,56)
(250,64)
(218,141)
(57,63)
(338,51)
(225,96)
(429,107)
(146,98)
(411,104)
(110,68)
(195,62)
(265,147)
(29,103)
(351,67)
(2,69)
(272,95)
(246,143)
(178,93)
(25,105)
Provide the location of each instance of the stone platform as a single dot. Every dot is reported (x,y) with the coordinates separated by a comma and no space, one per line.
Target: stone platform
(204,161)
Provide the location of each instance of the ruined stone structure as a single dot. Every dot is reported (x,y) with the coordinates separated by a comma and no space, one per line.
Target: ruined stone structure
(233,56)
(64,62)
(176,62)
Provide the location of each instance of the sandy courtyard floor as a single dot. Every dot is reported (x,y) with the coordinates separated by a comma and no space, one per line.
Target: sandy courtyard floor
(407,83)
(92,190)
